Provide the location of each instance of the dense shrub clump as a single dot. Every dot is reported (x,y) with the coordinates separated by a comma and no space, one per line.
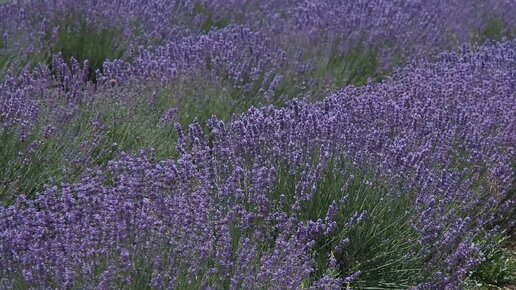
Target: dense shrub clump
(262,201)
(256,144)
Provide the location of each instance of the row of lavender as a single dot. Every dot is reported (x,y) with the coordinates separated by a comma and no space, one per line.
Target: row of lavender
(276,50)
(244,59)
(394,30)
(438,133)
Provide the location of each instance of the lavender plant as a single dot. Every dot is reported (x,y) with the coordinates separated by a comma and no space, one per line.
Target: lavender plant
(268,200)
(73,130)
(394,32)
(40,28)
(391,184)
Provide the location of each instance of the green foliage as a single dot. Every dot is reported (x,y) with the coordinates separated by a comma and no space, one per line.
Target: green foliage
(499,268)
(384,248)
(3,58)
(210,22)
(81,41)
(75,38)
(494,29)
(25,166)
(6,58)
(355,67)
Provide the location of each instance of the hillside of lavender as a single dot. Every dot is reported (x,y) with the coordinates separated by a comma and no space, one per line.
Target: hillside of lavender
(257,144)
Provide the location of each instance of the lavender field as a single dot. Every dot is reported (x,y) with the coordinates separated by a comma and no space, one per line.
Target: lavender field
(257,144)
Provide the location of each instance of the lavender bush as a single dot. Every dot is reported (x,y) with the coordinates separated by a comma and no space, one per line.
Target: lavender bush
(115,174)
(275,194)
(314,34)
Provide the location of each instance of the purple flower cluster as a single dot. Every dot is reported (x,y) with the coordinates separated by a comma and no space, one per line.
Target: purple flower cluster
(398,28)
(28,24)
(42,98)
(165,221)
(441,132)
(235,54)
(395,31)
